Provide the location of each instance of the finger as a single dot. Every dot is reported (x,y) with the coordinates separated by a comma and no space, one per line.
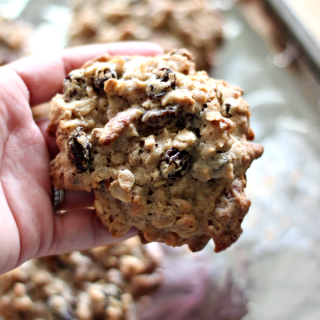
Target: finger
(50,141)
(41,111)
(75,57)
(43,75)
(77,200)
(80,230)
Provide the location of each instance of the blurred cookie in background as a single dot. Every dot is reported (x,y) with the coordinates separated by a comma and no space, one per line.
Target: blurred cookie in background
(15,39)
(101,283)
(192,24)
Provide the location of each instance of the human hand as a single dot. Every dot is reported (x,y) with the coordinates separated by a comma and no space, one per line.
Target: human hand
(28,226)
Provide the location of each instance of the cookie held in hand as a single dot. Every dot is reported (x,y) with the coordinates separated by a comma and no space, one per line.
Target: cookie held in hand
(165,149)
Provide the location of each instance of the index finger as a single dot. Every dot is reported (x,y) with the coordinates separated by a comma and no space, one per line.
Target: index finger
(43,75)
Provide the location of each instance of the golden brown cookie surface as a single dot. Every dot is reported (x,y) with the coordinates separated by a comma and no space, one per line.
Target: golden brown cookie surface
(164,148)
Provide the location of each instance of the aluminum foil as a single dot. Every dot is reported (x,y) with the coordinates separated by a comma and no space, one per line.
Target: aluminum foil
(279,248)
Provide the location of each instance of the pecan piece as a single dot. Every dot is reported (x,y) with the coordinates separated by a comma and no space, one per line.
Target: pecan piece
(79,150)
(115,126)
(175,163)
(157,118)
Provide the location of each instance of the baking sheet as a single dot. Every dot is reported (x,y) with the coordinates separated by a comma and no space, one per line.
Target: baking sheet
(272,272)
(280,243)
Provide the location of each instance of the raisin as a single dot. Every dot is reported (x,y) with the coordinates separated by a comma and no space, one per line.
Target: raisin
(74,87)
(169,76)
(181,124)
(158,91)
(175,164)
(193,122)
(79,150)
(228,107)
(157,118)
(103,77)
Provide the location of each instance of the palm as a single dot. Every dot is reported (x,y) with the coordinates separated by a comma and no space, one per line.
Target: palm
(25,180)
(28,227)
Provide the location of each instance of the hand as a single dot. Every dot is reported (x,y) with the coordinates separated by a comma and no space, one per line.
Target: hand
(28,226)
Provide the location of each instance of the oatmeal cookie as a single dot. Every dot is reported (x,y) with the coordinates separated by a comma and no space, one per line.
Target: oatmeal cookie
(14,40)
(102,283)
(192,24)
(164,148)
